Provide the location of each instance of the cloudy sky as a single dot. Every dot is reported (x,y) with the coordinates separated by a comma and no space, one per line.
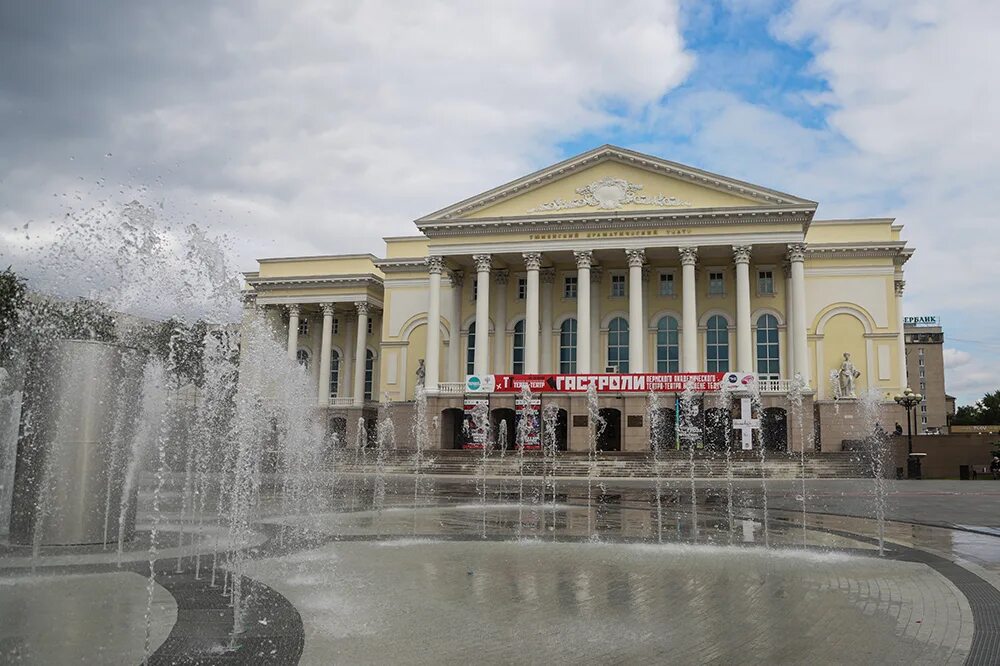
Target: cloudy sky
(318,127)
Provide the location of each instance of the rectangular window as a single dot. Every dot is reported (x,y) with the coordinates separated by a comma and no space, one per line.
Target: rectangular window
(765,283)
(303,326)
(617,285)
(920,361)
(920,352)
(666,284)
(923,409)
(336,326)
(569,287)
(921,373)
(522,288)
(716,284)
(923,420)
(923,386)
(475,289)
(371,327)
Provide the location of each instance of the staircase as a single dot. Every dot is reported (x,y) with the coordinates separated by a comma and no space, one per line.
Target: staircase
(672,464)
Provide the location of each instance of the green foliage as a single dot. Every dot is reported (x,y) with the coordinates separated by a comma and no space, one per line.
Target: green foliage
(12,299)
(181,348)
(984,412)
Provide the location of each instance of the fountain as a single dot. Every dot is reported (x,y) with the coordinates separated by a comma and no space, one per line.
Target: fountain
(657,437)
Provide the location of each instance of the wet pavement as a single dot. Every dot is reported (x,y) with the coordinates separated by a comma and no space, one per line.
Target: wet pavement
(620,571)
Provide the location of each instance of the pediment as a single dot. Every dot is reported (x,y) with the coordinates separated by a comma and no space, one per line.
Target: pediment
(614,179)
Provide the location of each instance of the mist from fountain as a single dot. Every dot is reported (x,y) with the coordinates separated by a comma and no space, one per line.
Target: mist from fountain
(657,437)
(690,434)
(550,445)
(876,441)
(595,428)
(796,389)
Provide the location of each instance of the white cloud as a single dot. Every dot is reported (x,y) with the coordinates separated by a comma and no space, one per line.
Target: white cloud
(956,358)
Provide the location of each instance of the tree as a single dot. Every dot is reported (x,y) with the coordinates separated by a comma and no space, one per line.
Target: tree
(12,298)
(984,412)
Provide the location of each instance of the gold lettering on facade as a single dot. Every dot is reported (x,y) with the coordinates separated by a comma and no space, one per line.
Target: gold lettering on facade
(623,233)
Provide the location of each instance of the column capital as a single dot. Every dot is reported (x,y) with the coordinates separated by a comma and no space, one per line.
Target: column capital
(636,258)
(293,309)
(741,254)
(584,258)
(898,285)
(435,264)
(327,308)
(532,260)
(689,255)
(547,275)
(797,252)
(501,275)
(457,277)
(483,262)
(362,308)
(596,274)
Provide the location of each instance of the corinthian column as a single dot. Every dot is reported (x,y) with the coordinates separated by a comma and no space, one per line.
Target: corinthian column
(324,355)
(584,259)
(901,351)
(456,365)
(547,276)
(796,257)
(293,331)
(533,262)
(636,331)
(482,359)
(689,311)
(597,357)
(359,354)
(432,355)
(744,346)
(502,277)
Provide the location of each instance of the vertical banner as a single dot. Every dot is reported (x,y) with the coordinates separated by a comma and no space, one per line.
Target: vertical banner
(530,431)
(475,435)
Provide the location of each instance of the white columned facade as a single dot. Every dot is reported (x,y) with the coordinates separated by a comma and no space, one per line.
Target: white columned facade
(596,351)
(899,284)
(456,365)
(502,276)
(547,276)
(797,258)
(788,354)
(293,331)
(432,359)
(584,259)
(324,355)
(744,342)
(648,349)
(689,311)
(636,330)
(482,358)
(359,354)
(533,263)
(345,387)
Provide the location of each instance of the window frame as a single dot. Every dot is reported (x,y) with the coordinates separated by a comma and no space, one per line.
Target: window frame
(720,363)
(667,278)
(773,371)
(568,281)
(709,272)
(516,350)
(617,277)
(567,366)
(664,345)
(619,328)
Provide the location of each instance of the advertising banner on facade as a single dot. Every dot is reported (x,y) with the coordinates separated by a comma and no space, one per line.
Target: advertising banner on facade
(529,423)
(475,432)
(667,382)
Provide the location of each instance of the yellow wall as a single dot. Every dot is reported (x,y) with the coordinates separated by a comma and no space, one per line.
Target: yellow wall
(333,265)
(850,233)
(401,248)
(845,333)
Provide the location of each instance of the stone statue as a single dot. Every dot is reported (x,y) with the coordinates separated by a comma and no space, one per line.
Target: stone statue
(847,376)
(421,372)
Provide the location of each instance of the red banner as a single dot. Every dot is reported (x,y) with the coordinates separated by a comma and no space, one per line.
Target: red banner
(675,382)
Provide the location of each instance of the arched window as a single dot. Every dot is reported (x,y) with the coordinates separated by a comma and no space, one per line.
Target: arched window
(768,362)
(470,354)
(618,345)
(369,373)
(302,356)
(334,372)
(667,347)
(567,347)
(717,344)
(518,352)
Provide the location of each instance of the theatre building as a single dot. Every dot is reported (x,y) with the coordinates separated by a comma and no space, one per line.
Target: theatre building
(609,263)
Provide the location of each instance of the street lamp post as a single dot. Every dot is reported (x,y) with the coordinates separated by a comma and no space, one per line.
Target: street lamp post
(908,400)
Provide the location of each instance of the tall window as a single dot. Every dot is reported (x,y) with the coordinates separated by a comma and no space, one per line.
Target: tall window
(475,288)
(303,326)
(717,344)
(518,356)
(666,284)
(334,372)
(617,285)
(369,373)
(470,354)
(302,356)
(336,326)
(716,283)
(567,347)
(522,288)
(618,344)
(569,286)
(768,362)
(765,283)
(667,347)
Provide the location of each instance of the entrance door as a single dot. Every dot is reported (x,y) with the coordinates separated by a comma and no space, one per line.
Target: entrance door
(611,438)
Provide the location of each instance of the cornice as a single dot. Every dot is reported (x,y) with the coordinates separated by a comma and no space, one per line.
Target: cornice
(629,220)
(316,281)
(624,156)
(402,265)
(893,249)
(319,257)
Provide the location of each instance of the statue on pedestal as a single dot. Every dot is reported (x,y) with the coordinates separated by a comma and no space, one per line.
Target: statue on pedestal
(421,372)
(847,377)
